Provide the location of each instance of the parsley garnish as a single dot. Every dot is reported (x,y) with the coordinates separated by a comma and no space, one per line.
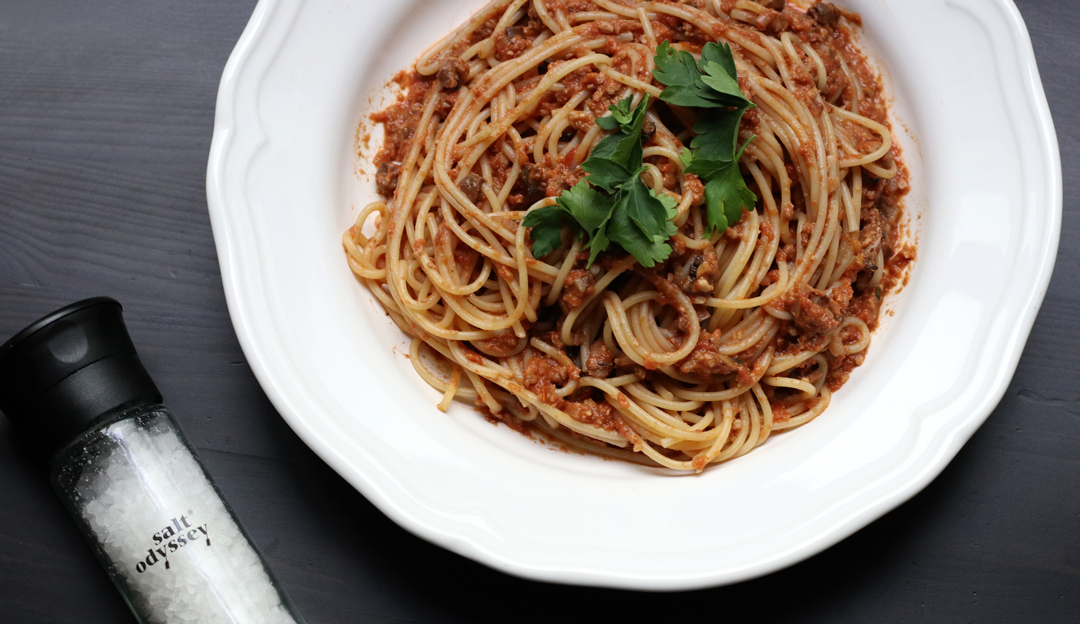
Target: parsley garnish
(713,84)
(725,189)
(613,205)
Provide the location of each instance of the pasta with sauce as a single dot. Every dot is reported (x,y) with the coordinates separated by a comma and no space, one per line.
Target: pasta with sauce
(738,333)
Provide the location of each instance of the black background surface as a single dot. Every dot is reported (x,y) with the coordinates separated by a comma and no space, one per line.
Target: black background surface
(106,113)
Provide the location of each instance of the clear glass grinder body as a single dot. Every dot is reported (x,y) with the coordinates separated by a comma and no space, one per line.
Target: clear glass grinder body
(160,527)
(77,393)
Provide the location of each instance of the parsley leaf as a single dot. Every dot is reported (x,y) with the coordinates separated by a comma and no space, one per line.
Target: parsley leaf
(624,147)
(590,209)
(720,53)
(583,203)
(717,132)
(718,65)
(650,213)
(619,148)
(711,84)
(677,70)
(726,193)
(606,174)
(546,224)
(598,241)
(641,223)
(626,233)
(608,123)
(612,204)
(621,115)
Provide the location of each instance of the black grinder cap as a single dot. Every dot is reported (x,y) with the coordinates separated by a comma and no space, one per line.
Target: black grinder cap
(66,370)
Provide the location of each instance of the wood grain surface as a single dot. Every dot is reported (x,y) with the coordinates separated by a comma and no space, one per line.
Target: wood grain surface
(106,112)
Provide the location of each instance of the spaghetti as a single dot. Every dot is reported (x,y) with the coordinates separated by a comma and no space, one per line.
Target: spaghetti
(733,336)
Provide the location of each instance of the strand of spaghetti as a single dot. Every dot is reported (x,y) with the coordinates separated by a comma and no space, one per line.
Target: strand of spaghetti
(497,79)
(356,244)
(833,223)
(466,310)
(846,256)
(758,432)
(426,66)
(656,424)
(485,371)
(718,29)
(849,208)
(601,286)
(818,191)
(592,16)
(787,382)
(855,103)
(642,394)
(632,347)
(723,437)
(864,335)
(569,422)
(704,422)
(631,82)
(567,265)
(671,430)
(551,129)
(431,379)
(616,8)
(542,13)
(664,460)
(451,389)
(511,15)
(398,226)
(530,100)
(810,414)
(725,286)
(407,187)
(752,330)
(786,363)
(766,257)
(444,285)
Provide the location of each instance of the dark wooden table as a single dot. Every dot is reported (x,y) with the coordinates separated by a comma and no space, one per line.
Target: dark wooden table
(106,111)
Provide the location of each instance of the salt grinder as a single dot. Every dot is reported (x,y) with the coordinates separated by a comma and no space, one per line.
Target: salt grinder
(74,388)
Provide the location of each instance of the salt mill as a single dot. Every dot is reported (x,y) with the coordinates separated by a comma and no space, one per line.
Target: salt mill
(74,388)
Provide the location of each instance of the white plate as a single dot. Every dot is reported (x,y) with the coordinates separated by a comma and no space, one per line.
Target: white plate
(282,186)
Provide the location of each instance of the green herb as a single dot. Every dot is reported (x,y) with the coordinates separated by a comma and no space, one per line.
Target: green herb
(713,84)
(617,157)
(641,223)
(725,189)
(622,116)
(710,83)
(611,205)
(546,234)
